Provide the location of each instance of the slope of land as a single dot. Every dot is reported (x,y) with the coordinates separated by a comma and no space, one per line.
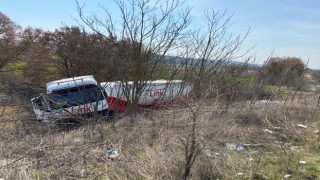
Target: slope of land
(247,140)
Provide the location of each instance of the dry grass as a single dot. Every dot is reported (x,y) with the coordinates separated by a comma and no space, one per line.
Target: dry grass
(151,145)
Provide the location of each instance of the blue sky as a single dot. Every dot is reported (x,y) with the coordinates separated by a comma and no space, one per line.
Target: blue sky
(281,27)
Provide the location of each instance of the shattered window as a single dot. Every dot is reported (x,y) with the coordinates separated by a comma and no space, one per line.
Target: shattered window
(75,96)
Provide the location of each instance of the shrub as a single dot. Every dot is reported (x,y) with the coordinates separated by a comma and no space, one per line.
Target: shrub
(284,71)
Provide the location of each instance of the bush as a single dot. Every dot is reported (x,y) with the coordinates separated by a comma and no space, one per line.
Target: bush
(284,71)
(316,75)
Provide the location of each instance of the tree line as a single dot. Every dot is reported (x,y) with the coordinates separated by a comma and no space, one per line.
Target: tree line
(73,51)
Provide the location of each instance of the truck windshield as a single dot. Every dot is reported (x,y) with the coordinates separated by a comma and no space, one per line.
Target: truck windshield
(75,96)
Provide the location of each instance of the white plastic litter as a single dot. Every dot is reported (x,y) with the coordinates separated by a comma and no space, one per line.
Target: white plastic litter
(112,153)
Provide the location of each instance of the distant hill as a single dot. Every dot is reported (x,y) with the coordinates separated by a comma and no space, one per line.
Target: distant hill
(181,60)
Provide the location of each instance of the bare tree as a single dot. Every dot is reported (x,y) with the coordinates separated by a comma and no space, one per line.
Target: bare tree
(149,33)
(211,49)
(146,33)
(205,64)
(11,45)
(79,52)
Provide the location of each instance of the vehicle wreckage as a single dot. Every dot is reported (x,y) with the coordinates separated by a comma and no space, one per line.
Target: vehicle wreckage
(83,97)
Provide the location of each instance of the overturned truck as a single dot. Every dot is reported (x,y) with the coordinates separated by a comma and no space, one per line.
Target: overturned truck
(82,96)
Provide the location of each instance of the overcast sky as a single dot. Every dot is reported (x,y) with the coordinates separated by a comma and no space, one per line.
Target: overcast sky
(284,27)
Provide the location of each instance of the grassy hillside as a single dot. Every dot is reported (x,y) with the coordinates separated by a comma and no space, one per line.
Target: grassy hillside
(271,140)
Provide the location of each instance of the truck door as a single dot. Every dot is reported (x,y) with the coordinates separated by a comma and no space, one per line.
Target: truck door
(40,106)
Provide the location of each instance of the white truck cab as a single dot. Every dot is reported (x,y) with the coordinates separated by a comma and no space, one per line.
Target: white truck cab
(70,97)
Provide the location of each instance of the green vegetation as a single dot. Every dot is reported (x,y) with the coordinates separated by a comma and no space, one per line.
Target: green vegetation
(250,81)
(156,76)
(281,92)
(15,68)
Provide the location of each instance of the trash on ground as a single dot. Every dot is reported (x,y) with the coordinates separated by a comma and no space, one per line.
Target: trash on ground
(269,101)
(82,172)
(278,142)
(283,136)
(278,128)
(240,146)
(302,162)
(210,154)
(231,146)
(112,153)
(302,166)
(303,126)
(240,174)
(287,176)
(316,131)
(253,145)
(268,131)
(235,146)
